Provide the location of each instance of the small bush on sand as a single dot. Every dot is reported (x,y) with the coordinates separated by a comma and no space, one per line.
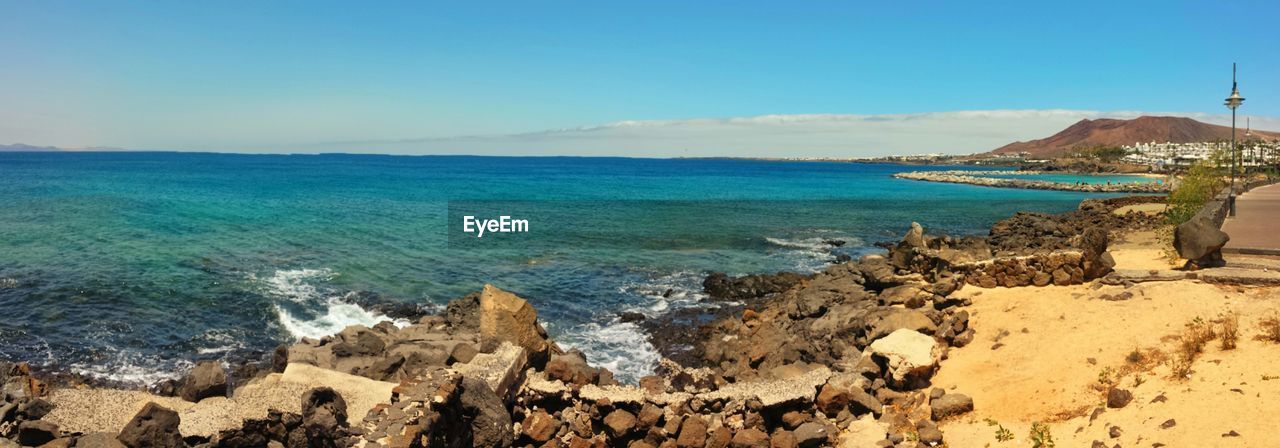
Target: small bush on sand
(1230,331)
(1002,434)
(1271,328)
(1180,367)
(1194,336)
(1134,356)
(1191,343)
(1040,436)
(1106,377)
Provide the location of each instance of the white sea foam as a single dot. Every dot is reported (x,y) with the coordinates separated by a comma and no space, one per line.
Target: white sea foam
(218,342)
(811,254)
(133,368)
(313,312)
(814,243)
(678,289)
(295,284)
(336,316)
(622,348)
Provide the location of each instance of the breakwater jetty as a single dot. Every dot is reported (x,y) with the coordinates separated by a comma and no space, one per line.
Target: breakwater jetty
(983,178)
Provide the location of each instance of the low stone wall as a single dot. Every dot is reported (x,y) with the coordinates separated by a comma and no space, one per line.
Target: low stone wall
(968,177)
(1060,268)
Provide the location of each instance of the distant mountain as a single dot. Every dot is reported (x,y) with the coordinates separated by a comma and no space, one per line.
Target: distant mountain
(16,147)
(1111,132)
(19,147)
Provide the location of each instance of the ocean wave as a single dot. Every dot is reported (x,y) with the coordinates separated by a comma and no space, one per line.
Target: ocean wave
(310,310)
(294,284)
(132,368)
(813,253)
(213,342)
(620,347)
(335,316)
(665,292)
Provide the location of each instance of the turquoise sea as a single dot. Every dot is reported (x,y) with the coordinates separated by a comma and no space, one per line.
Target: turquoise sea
(128,266)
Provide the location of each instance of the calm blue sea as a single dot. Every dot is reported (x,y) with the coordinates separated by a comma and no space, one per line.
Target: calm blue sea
(129,266)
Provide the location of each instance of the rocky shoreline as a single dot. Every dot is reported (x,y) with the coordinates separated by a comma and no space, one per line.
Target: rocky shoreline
(979,178)
(843,357)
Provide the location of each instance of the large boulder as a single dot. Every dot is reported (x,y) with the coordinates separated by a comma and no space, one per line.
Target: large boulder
(949,405)
(619,423)
(490,423)
(572,368)
(911,357)
(506,317)
(206,380)
(1200,241)
(324,414)
(503,370)
(539,426)
(1097,261)
(98,440)
(154,426)
(751,438)
(37,432)
(894,319)
(363,343)
(811,434)
(910,295)
(845,392)
(914,237)
(693,432)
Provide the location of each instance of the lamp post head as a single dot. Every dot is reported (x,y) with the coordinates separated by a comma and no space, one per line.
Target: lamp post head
(1235,100)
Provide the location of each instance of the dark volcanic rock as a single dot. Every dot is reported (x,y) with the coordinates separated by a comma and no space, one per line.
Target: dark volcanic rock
(206,380)
(98,440)
(811,434)
(1118,398)
(490,421)
(572,368)
(1200,241)
(280,358)
(723,287)
(324,414)
(949,405)
(365,344)
(35,409)
(37,432)
(153,427)
(463,313)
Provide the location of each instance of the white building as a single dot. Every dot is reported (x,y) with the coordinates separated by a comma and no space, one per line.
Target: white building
(1254,153)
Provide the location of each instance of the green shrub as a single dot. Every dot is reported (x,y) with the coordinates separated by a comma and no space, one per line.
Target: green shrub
(1040,436)
(1201,182)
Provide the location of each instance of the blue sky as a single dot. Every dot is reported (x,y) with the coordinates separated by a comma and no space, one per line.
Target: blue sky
(280,76)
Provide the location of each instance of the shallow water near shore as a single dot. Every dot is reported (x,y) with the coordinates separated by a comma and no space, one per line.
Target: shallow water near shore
(128,266)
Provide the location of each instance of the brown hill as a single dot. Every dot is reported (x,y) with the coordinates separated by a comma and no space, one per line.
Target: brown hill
(1111,132)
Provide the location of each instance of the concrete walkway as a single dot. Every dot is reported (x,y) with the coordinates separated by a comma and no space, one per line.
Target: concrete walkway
(1256,227)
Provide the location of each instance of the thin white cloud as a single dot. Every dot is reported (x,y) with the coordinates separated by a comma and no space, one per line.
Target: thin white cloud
(808,135)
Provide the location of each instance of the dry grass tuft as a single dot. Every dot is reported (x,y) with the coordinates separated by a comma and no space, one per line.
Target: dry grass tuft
(1191,344)
(1230,331)
(1270,328)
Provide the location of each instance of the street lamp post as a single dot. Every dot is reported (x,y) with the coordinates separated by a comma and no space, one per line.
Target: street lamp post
(1232,102)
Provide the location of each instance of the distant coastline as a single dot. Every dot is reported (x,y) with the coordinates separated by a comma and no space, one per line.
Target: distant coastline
(981,178)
